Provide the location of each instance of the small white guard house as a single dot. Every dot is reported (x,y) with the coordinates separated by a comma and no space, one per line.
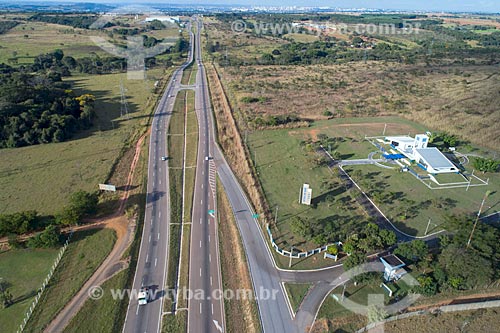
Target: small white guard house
(393,267)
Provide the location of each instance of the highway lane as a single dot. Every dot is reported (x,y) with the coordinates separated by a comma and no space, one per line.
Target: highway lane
(273,310)
(153,254)
(205,314)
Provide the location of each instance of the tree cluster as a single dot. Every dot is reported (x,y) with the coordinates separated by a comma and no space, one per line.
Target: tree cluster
(39,108)
(75,21)
(7,25)
(456,266)
(485,164)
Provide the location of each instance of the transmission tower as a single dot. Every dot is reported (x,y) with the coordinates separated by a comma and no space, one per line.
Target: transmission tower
(123,105)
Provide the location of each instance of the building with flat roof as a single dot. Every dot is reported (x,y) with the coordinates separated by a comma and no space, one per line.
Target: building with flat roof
(393,267)
(428,158)
(433,161)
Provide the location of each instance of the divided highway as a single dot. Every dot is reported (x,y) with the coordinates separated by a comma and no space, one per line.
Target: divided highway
(153,254)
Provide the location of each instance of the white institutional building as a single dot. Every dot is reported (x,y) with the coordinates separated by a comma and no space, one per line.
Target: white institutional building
(415,149)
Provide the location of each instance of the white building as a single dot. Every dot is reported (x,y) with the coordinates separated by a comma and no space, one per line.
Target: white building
(433,161)
(415,149)
(170,19)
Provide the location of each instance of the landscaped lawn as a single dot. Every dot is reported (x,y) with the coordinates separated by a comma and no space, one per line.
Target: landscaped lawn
(426,203)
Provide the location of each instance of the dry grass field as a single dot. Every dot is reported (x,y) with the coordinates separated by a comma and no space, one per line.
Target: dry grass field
(462,100)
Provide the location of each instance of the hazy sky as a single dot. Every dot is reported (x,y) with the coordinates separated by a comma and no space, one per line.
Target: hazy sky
(450,5)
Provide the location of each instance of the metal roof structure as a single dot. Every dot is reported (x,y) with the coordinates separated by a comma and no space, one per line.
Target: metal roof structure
(434,158)
(405,139)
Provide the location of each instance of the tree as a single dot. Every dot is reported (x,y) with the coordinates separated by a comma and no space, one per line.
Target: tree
(413,251)
(427,286)
(6,298)
(301,227)
(84,203)
(485,165)
(349,246)
(333,250)
(46,239)
(463,269)
(388,237)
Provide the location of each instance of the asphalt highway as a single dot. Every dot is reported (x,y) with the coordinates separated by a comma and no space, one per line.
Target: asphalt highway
(153,254)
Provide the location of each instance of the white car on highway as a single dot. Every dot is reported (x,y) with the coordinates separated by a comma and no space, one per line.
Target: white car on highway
(143,296)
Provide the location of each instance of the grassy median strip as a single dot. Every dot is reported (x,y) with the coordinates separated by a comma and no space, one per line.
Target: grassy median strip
(175,323)
(190,174)
(175,142)
(85,253)
(243,312)
(296,293)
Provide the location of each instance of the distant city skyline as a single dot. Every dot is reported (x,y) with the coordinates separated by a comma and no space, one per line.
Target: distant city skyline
(423,5)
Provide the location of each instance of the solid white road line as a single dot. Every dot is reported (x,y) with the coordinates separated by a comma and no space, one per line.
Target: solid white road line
(158,235)
(159,214)
(156,259)
(212,308)
(200,307)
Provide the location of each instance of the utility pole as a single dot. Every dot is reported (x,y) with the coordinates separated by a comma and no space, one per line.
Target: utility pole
(427,229)
(290,262)
(123,100)
(477,218)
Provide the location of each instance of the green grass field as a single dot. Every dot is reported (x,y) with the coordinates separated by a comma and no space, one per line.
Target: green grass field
(23,271)
(283,166)
(296,293)
(85,253)
(42,177)
(100,315)
(407,187)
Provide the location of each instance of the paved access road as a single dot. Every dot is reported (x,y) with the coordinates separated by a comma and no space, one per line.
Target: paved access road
(205,314)
(153,255)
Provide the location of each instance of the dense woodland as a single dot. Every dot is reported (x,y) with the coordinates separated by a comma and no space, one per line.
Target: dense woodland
(39,108)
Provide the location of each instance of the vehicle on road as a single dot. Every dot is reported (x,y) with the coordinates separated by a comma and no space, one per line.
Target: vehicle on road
(164,158)
(143,296)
